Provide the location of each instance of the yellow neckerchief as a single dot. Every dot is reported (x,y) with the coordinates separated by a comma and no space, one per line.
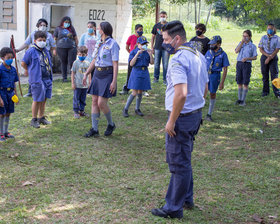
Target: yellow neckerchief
(45,57)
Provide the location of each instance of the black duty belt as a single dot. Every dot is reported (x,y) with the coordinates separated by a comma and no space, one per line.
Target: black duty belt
(187,114)
(8,89)
(101,69)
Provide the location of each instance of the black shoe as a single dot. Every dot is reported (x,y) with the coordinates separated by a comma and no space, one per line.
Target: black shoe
(188,205)
(125,113)
(265,94)
(238,102)
(44,121)
(28,95)
(242,104)
(109,130)
(8,135)
(91,133)
(2,138)
(124,92)
(65,80)
(35,123)
(161,213)
(209,118)
(138,112)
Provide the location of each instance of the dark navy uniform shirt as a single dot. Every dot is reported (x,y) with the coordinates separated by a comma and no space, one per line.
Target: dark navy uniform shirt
(8,77)
(143,59)
(220,60)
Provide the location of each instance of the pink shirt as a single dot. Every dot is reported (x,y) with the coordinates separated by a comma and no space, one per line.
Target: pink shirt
(131,42)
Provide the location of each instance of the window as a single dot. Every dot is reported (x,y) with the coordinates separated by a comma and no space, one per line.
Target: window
(8,14)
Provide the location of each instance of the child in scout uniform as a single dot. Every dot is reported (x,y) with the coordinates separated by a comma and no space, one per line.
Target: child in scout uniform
(269,47)
(217,60)
(79,67)
(247,51)
(8,93)
(37,62)
(139,80)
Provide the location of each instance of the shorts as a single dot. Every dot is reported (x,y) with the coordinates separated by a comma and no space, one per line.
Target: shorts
(9,106)
(214,82)
(41,91)
(243,73)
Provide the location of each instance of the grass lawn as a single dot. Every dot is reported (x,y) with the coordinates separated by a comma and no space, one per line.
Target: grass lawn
(119,179)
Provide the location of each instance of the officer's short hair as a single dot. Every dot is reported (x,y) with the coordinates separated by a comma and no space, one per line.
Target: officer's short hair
(163,13)
(200,26)
(40,34)
(6,50)
(174,28)
(82,50)
(137,26)
(107,28)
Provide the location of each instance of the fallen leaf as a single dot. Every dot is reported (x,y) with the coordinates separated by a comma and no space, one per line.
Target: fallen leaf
(258,219)
(272,216)
(14,156)
(27,183)
(201,208)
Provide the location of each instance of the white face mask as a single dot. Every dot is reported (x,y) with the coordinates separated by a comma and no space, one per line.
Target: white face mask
(43,28)
(41,44)
(162,19)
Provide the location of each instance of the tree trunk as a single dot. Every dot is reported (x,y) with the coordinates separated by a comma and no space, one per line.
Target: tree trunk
(209,14)
(188,11)
(199,11)
(157,11)
(195,12)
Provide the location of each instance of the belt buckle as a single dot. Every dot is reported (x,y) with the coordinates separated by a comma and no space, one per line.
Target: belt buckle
(99,69)
(8,89)
(143,68)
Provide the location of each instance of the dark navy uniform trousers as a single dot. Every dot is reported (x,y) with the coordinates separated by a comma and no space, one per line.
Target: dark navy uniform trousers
(178,157)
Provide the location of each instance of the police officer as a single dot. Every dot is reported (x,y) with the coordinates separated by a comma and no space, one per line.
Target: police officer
(104,81)
(186,87)
(269,47)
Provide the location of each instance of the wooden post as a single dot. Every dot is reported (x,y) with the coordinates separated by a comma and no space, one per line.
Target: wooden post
(157,11)
(26,18)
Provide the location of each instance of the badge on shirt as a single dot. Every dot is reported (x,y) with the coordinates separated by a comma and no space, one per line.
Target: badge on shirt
(107,48)
(217,64)
(104,55)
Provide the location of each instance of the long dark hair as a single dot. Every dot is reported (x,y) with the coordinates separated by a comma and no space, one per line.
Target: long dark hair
(70,28)
(107,28)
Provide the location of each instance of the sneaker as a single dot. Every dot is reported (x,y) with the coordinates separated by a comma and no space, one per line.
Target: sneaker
(109,130)
(155,80)
(76,115)
(91,133)
(35,123)
(2,138)
(124,92)
(164,82)
(242,104)
(209,118)
(65,80)
(83,114)
(146,94)
(138,112)
(238,102)
(28,95)
(265,94)
(8,135)
(44,121)
(125,113)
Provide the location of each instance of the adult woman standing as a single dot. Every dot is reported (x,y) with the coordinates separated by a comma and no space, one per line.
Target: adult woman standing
(104,81)
(66,44)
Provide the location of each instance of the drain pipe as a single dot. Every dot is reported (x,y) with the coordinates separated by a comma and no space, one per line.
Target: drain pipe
(26,18)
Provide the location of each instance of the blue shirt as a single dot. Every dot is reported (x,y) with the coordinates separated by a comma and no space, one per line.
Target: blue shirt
(8,77)
(216,60)
(274,43)
(50,41)
(32,60)
(89,41)
(107,52)
(248,50)
(143,59)
(187,66)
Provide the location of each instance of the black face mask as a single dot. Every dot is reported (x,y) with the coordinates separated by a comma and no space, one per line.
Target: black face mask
(198,33)
(214,47)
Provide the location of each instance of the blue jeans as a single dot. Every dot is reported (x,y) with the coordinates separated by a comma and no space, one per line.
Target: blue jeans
(161,54)
(79,99)
(178,157)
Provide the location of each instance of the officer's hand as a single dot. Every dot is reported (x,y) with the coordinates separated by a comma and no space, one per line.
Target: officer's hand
(244,60)
(149,51)
(54,52)
(113,87)
(221,86)
(153,50)
(169,129)
(85,80)
(267,60)
(1,103)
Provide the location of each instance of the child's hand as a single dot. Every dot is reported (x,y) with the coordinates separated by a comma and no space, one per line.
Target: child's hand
(17,102)
(140,51)
(221,86)
(73,86)
(85,80)
(1,102)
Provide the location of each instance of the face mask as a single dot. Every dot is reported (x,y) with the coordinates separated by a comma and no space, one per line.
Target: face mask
(169,48)
(213,47)
(82,58)
(140,33)
(66,25)
(43,28)
(162,19)
(98,34)
(90,30)
(270,31)
(247,39)
(9,61)
(41,44)
(144,47)
(198,33)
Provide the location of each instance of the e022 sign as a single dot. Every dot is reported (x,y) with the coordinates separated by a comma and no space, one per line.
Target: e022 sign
(96,14)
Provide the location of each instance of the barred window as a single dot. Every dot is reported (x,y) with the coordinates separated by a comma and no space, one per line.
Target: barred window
(8,14)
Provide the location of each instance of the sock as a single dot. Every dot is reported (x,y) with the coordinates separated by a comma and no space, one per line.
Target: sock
(240,90)
(94,121)
(244,94)
(109,118)
(211,106)
(6,124)
(138,101)
(2,125)
(129,101)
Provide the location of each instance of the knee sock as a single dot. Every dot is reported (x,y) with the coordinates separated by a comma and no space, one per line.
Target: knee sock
(129,101)
(6,124)
(240,90)
(94,121)
(244,94)
(1,125)
(109,118)
(138,101)
(211,106)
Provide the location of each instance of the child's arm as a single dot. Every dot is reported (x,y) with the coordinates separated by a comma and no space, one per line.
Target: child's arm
(134,59)
(249,59)
(16,92)
(73,80)
(151,57)
(25,68)
(1,102)
(221,86)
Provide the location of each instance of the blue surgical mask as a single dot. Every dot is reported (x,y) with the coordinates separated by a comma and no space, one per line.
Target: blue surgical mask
(66,25)
(169,48)
(90,30)
(98,35)
(140,33)
(82,58)
(270,31)
(144,47)
(9,61)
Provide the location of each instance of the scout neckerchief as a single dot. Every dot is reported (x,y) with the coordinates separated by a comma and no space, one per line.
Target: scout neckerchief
(45,57)
(99,45)
(268,43)
(213,58)
(189,47)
